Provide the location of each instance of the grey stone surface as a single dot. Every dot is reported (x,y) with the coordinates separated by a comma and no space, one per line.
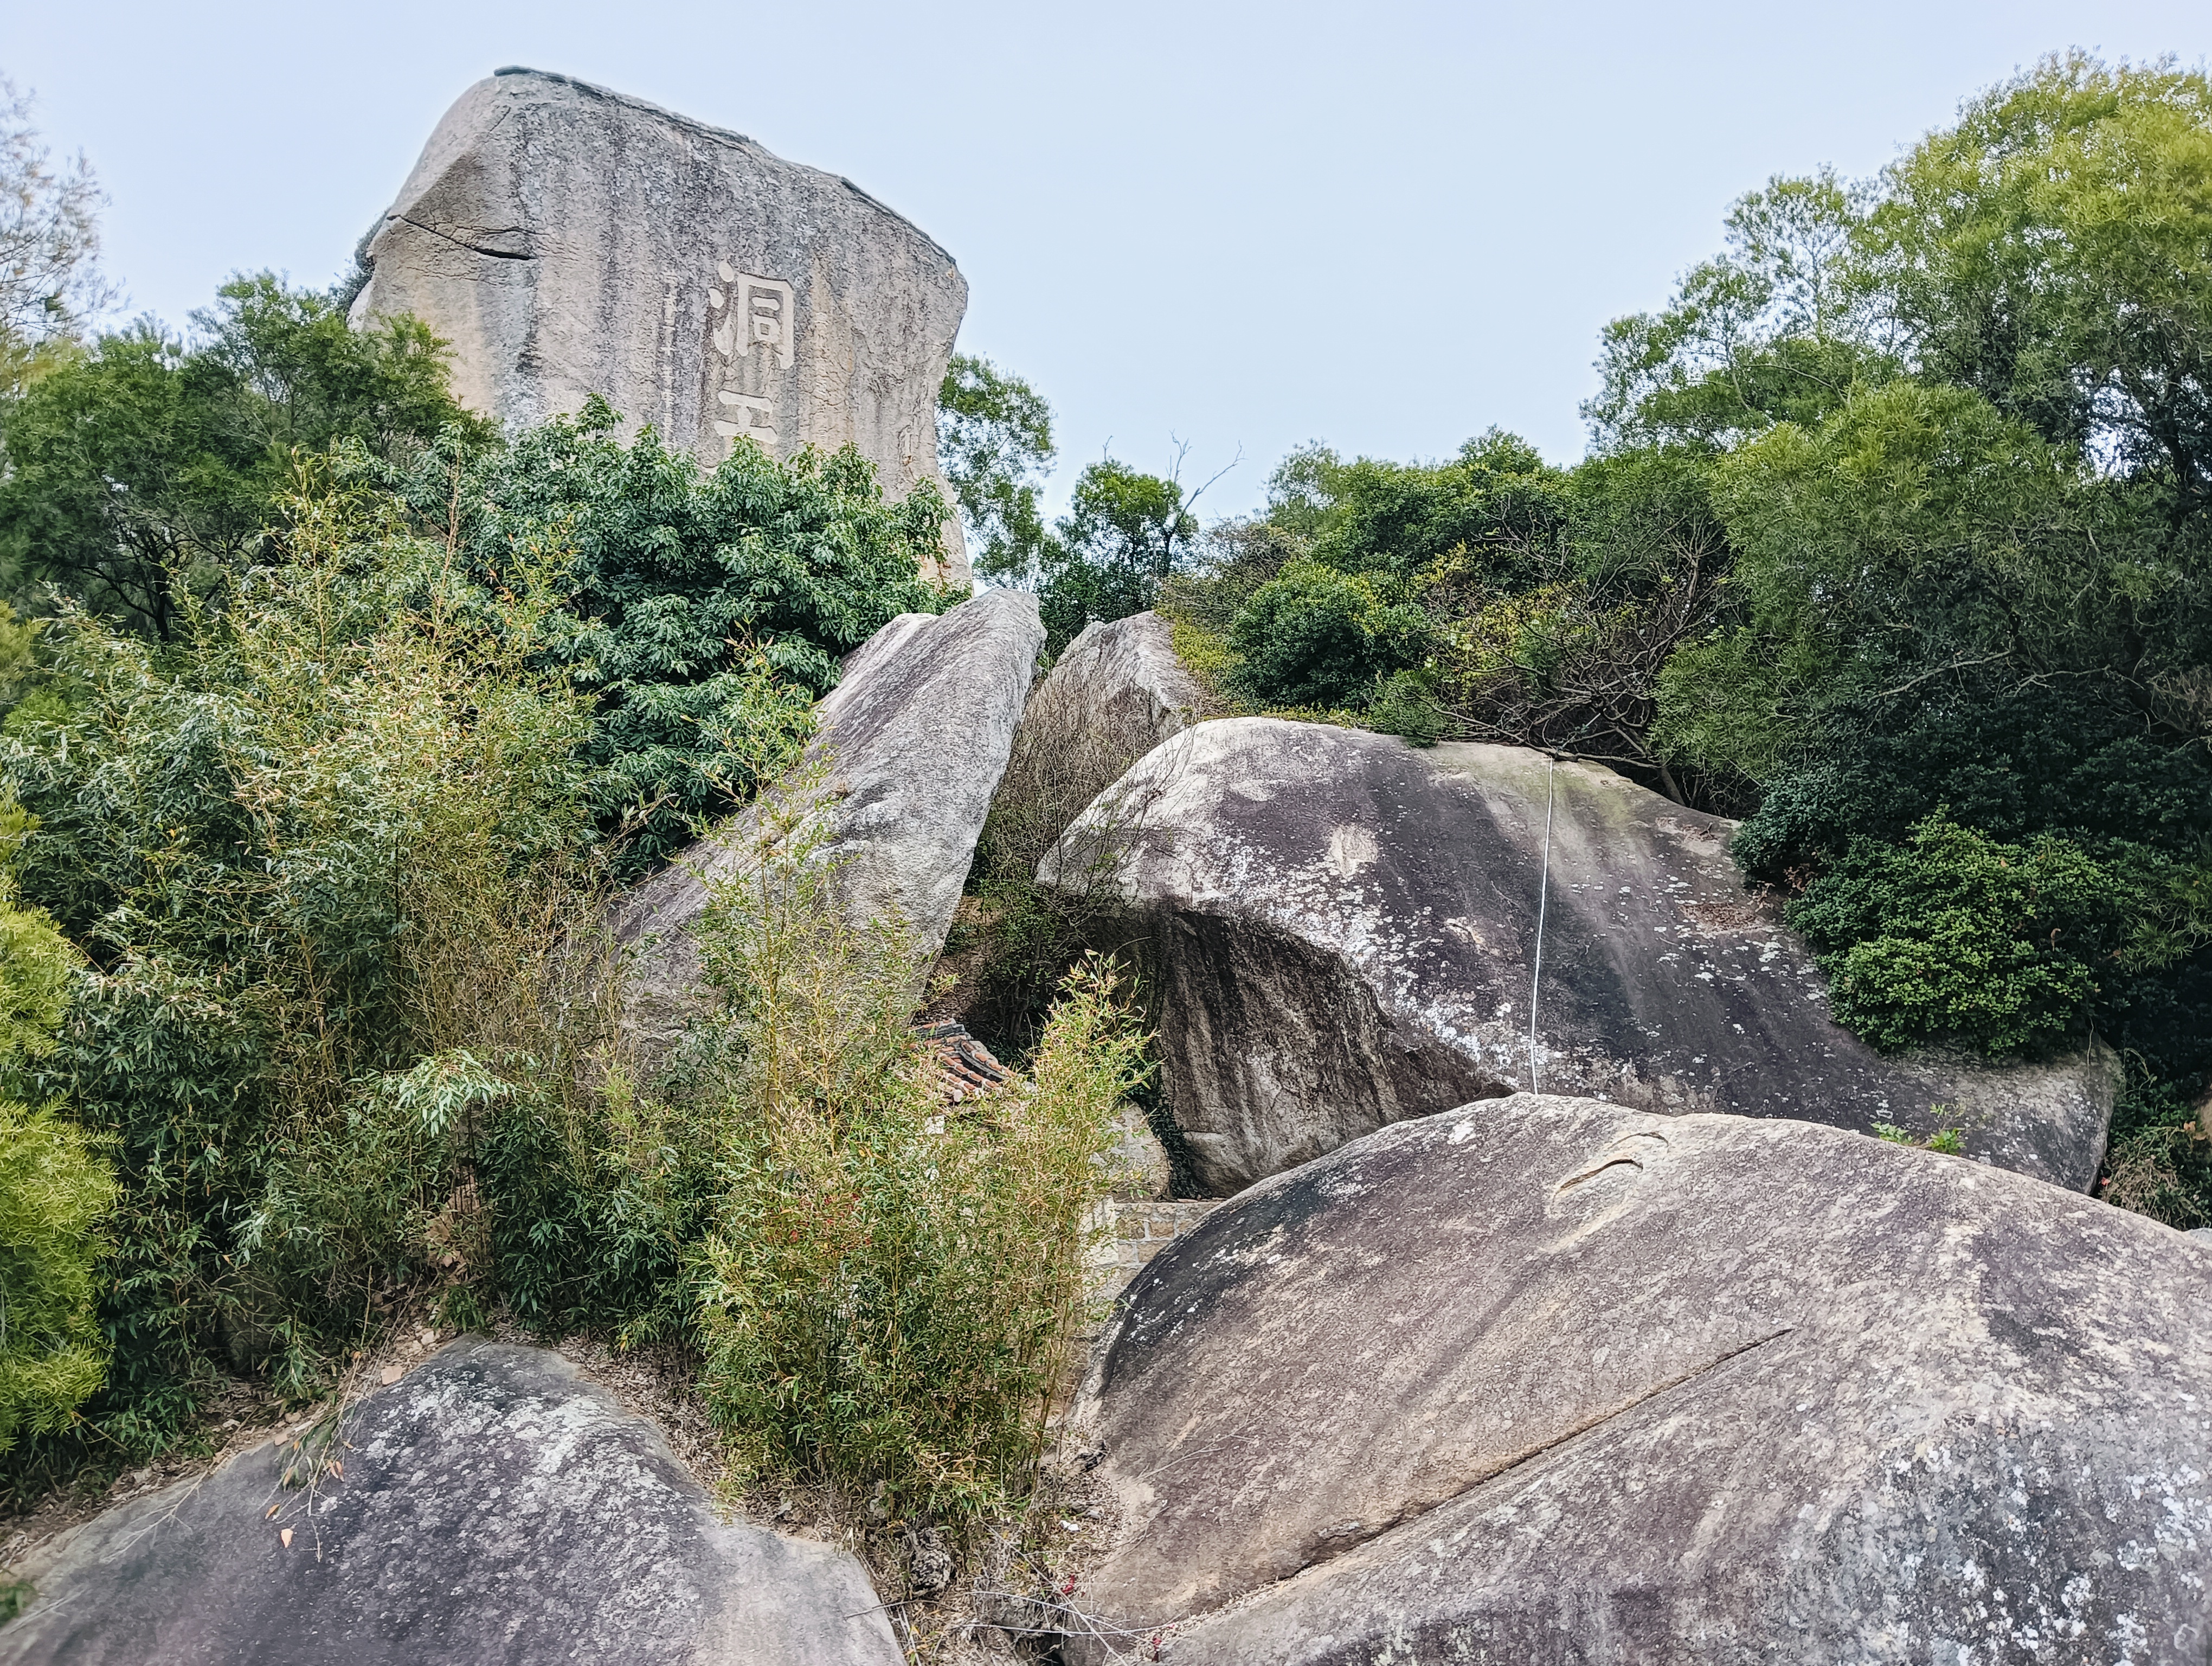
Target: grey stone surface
(914,736)
(568,241)
(1346,926)
(1543,1379)
(1123,680)
(494,1506)
(1137,1159)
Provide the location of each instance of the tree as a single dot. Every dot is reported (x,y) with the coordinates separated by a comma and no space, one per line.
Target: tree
(994,440)
(2053,252)
(1779,327)
(50,280)
(144,463)
(1123,534)
(1491,503)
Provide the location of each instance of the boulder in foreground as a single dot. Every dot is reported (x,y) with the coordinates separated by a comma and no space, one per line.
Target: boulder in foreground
(1346,927)
(1543,1379)
(494,1506)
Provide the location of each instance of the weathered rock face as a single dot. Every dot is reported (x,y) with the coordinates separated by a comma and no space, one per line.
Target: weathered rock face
(494,1506)
(915,738)
(1123,681)
(567,241)
(1546,1379)
(1345,930)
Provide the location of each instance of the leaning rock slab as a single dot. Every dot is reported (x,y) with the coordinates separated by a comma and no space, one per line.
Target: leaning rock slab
(567,241)
(915,738)
(494,1506)
(1345,929)
(1548,1380)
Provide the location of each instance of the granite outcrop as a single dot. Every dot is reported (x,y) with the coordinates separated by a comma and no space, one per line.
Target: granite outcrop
(1546,1379)
(1345,931)
(567,240)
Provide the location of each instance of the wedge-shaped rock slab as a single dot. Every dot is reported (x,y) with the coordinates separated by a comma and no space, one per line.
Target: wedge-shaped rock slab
(567,240)
(1543,1379)
(1121,684)
(914,736)
(494,1507)
(1345,929)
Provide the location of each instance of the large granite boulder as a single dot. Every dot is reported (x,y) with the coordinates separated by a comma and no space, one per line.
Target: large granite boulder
(914,738)
(1543,1379)
(494,1506)
(567,241)
(1122,682)
(1344,928)
(1115,692)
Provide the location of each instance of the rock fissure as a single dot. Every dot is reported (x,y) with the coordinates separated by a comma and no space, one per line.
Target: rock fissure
(463,242)
(1340,1542)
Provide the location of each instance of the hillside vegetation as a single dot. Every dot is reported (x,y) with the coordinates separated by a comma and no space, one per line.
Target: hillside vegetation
(329,717)
(1894,542)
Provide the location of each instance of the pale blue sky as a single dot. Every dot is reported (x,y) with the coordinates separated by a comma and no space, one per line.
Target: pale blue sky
(1387,225)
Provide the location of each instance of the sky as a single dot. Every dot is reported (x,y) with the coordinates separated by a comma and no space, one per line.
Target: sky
(1219,229)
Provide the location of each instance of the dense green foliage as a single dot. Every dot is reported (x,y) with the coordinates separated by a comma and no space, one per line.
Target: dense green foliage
(54,1189)
(143,470)
(1955,936)
(889,1286)
(1312,635)
(1123,533)
(705,609)
(336,726)
(324,835)
(55,1193)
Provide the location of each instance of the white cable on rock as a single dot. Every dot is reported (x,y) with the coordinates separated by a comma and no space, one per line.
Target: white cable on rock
(1543,896)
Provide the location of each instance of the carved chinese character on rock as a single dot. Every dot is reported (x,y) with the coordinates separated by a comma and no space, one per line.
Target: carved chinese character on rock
(752,325)
(746,415)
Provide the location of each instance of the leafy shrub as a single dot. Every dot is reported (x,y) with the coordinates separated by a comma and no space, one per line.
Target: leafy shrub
(1957,937)
(340,827)
(54,1189)
(703,609)
(1315,637)
(891,1286)
(1404,706)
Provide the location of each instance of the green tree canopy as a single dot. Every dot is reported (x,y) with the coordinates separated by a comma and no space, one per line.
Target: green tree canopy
(1124,532)
(994,443)
(2053,252)
(146,462)
(704,608)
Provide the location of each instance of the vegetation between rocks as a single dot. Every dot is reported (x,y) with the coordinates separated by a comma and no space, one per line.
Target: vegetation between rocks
(1893,541)
(331,717)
